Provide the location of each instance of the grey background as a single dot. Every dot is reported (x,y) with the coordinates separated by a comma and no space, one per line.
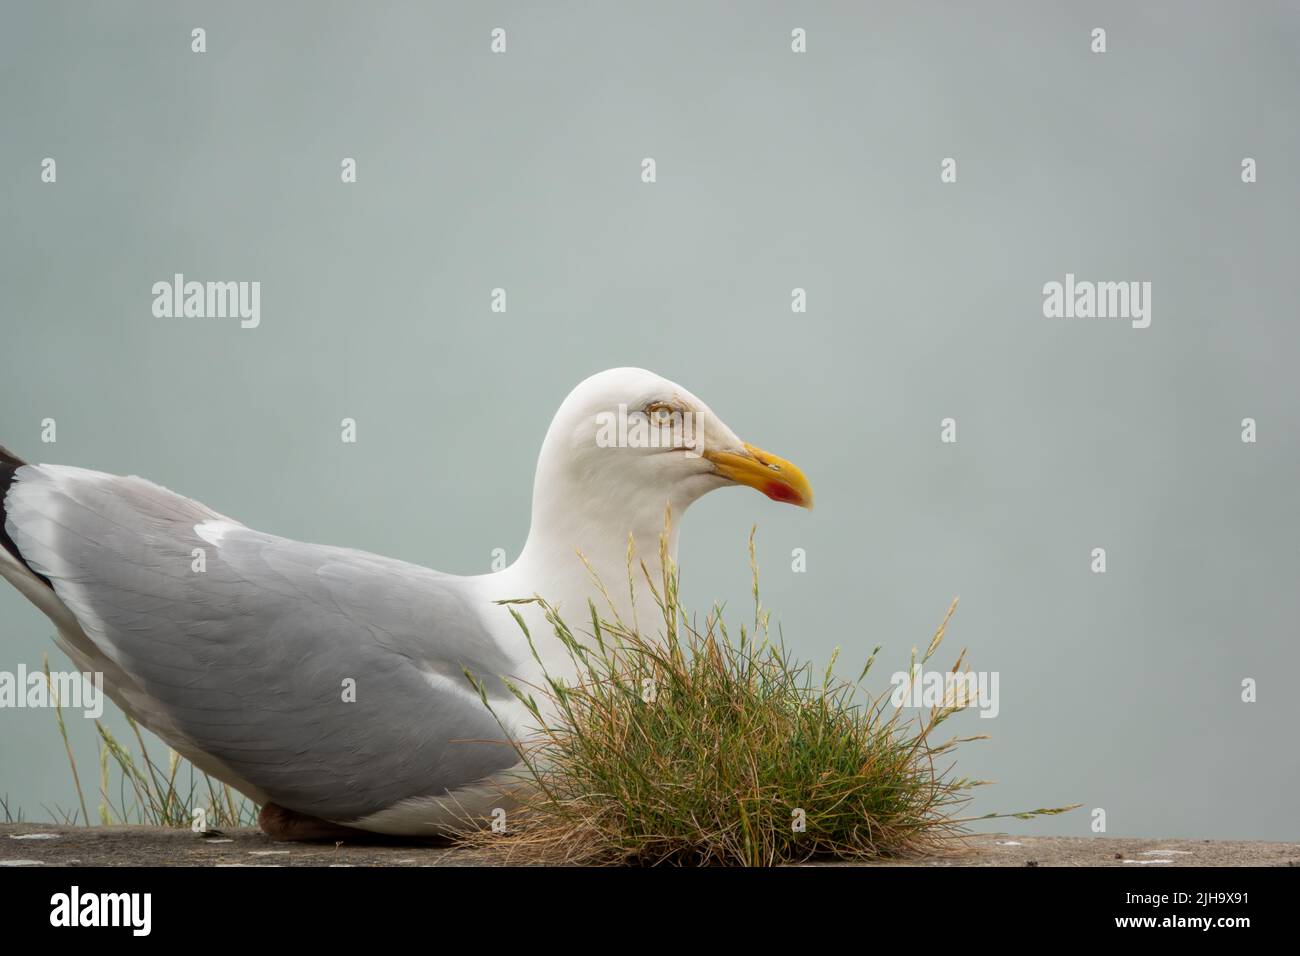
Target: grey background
(776,170)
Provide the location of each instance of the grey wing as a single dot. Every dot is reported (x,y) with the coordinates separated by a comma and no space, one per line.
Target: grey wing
(251,660)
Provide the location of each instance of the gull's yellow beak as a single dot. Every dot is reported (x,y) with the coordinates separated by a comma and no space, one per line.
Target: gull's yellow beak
(777,478)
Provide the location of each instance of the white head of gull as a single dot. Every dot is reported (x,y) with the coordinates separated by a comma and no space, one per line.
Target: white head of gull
(625,447)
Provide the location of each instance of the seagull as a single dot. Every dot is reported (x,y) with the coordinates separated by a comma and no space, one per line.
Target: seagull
(329,685)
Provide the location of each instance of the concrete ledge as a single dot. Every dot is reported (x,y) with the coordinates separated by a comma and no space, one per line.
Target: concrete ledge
(28,844)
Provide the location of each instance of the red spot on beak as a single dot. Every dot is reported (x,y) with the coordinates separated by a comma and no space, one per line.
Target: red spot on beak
(781,492)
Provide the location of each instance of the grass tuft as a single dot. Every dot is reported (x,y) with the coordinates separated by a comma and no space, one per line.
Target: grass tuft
(695,746)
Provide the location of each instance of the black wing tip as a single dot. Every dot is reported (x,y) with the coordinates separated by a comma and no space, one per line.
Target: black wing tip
(9,465)
(9,461)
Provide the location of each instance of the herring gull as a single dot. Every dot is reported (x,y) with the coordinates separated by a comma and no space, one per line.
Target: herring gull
(241,666)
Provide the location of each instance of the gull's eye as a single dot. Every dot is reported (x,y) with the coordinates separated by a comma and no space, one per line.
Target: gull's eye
(659,413)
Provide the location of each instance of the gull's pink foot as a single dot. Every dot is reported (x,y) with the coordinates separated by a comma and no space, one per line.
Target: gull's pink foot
(289,825)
